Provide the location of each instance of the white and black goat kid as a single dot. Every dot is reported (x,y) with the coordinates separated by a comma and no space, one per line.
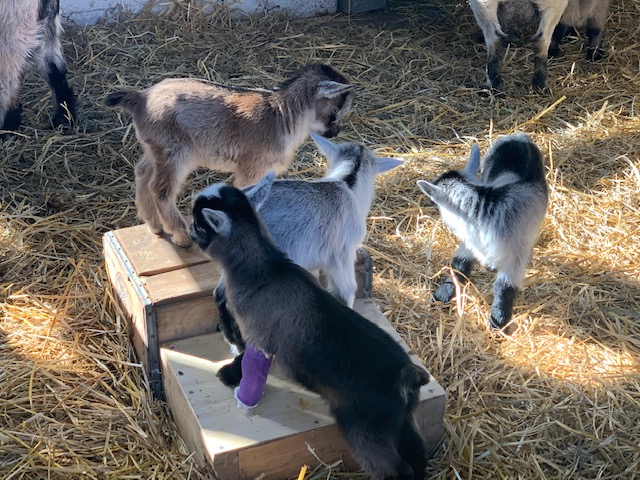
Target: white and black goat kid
(497,217)
(318,224)
(542,23)
(30,33)
(368,380)
(183,124)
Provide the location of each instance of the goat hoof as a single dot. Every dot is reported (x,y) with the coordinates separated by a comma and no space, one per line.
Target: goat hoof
(230,374)
(501,324)
(445,292)
(553,52)
(62,118)
(182,239)
(155,229)
(539,83)
(595,54)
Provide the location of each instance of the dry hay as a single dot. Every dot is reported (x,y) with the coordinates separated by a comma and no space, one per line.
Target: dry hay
(558,399)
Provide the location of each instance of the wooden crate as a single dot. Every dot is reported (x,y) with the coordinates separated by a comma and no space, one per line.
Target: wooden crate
(166,292)
(275,439)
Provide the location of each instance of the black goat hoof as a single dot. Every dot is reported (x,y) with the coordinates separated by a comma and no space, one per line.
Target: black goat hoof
(445,292)
(231,374)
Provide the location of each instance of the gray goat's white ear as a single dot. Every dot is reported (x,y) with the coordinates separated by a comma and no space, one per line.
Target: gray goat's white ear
(387,163)
(326,147)
(331,89)
(258,193)
(473,165)
(218,221)
(429,189)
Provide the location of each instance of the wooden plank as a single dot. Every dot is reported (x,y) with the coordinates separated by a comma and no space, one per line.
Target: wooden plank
(186,418)
(284,457)
(178,285)
(188,318)
(135,306)
(151,254)
(272,438)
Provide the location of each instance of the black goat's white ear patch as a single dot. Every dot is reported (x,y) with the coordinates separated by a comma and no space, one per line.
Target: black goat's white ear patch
(218,221)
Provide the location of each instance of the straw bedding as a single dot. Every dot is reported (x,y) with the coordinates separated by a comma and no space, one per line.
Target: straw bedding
(560,398)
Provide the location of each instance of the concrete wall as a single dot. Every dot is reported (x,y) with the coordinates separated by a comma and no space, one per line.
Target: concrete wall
(89,11)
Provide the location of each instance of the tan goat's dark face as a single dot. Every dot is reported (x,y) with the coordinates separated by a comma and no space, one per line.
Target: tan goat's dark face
(330,111)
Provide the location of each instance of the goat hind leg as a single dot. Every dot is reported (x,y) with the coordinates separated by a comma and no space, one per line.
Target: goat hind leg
(411,447)
(505,290)
(373,445)
(147,210)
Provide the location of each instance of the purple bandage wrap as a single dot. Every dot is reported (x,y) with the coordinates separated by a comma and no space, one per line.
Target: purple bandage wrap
(255,369)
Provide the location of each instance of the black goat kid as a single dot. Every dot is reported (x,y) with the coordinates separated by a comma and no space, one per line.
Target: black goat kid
(368,380)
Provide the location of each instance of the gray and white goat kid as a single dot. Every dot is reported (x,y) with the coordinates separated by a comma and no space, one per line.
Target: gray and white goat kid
(318,224)
(30,33)
(183,124)
(368,380)
(542,23)
(497,217)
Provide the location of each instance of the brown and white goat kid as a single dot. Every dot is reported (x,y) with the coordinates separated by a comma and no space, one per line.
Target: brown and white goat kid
(541,22)
(30,37)
(183,124)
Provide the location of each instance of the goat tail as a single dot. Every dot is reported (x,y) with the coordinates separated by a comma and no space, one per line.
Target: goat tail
(128,99)
(413,377)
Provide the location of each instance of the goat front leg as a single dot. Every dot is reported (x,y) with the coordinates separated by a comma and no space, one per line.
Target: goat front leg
(558,36)
(231,373)
(548,23)
(595,36)
(462,264)
(341,281)
(495,52)
(10,108)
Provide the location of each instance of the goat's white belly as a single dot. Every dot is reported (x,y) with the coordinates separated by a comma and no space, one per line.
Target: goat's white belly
(486,247)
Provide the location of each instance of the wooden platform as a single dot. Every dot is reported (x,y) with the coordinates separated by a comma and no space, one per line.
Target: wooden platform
(166,292)
(277,437)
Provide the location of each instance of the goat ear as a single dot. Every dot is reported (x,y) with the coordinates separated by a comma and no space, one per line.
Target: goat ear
(429,189)
(260,191)
(473,165)
(387,163)
(218,221)
(325,146)
(331,89)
